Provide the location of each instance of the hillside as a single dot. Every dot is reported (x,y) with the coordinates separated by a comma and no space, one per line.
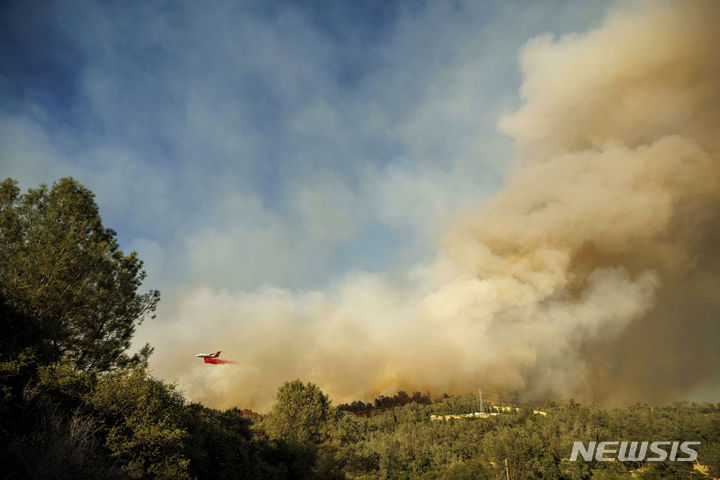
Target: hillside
(76,403)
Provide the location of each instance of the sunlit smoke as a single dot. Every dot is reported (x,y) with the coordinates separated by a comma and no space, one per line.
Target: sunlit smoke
(593,274)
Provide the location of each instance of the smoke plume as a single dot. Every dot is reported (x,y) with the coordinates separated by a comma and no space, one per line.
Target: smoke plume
(593,274)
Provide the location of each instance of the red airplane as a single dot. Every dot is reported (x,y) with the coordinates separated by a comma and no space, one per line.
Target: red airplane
(213,358)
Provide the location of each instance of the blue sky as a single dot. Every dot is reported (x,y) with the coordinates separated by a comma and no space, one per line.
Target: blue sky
(237,145)
(288,170)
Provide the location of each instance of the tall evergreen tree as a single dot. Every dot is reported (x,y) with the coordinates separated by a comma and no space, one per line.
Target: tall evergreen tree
(61,271)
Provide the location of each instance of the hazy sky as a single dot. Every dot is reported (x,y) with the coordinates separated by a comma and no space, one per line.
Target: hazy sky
(276,163)
(241,144)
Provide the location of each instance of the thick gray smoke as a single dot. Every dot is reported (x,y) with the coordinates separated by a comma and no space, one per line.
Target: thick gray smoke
(593,274)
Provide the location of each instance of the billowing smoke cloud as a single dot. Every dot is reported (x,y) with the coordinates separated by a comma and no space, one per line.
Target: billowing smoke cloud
(593,274)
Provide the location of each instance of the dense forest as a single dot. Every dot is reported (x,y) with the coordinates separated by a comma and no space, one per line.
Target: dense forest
(75,404)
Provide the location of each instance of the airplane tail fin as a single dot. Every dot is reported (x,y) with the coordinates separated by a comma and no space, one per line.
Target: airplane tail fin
(217,354)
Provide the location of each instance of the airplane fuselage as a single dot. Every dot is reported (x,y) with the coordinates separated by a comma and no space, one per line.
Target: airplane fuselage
(208,355)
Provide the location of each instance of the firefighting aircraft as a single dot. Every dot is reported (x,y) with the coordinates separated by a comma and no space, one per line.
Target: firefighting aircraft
(213,358)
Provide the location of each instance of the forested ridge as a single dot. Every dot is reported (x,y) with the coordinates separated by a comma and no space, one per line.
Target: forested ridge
(75,403)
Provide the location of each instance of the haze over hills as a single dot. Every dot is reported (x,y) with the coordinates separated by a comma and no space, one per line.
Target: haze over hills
(323,193)
(315,188)
(591,274)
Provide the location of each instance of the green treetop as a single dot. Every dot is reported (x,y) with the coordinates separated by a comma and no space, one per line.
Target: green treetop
(66,290)
(302,414)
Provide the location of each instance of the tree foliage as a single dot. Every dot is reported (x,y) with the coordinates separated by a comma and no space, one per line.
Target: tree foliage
(144,418)
(74,405)
(62,271)
(302,414)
